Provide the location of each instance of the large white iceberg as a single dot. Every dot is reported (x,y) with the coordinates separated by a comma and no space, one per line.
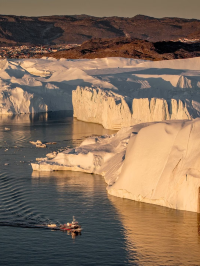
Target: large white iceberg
(150,91)
(41,85)
(146,92)
(118,91)
(162,166)
(115,111)
(156,163)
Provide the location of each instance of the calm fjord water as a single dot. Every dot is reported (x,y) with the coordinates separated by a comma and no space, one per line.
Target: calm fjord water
(115,231)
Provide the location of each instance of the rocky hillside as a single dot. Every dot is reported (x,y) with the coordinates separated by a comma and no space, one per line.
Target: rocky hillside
(130,48)
(17,30)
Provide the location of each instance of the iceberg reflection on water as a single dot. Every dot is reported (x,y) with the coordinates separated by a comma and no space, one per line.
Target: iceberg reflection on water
(160,235)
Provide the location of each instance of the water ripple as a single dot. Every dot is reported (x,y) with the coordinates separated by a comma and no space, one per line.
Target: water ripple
(14,204)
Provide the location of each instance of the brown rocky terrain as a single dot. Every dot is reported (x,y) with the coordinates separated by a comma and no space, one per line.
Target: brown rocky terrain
(18,30)
(130,48)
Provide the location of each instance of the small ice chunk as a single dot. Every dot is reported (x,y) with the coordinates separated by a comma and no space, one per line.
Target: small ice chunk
(38,144)
(7,129)
(41,146)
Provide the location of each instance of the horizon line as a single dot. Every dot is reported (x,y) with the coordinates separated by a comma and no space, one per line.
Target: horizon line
(27,16)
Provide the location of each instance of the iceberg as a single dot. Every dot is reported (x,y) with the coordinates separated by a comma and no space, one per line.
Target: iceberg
(146,92)
(113,111)
(155,162)
(42,85)
(162,166)
(130,91)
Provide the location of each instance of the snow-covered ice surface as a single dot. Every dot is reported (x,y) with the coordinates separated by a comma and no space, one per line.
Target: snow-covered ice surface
(146,92)
(114,92)
(154,162)
(41,85)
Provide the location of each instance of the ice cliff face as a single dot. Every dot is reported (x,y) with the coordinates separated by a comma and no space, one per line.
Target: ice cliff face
(16,101)
(124,91)
(162,166)
(41,85)
(154,162)
(114,111)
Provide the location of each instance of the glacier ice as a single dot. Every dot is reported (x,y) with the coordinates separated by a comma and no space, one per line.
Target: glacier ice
(155,162)
(144,94)
(113,111)
(162,166)
(41,85)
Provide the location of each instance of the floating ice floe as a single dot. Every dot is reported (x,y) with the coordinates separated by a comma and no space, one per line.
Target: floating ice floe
(38,144)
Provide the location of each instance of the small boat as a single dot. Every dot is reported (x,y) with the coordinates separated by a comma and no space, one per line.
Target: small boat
(74,226)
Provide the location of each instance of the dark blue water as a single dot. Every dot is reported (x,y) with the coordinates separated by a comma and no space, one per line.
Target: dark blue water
(115,231)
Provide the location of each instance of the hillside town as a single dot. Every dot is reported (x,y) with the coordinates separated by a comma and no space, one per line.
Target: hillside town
(25,51)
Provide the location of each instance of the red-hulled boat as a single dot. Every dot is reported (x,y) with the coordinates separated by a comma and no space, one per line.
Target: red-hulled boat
(74,226)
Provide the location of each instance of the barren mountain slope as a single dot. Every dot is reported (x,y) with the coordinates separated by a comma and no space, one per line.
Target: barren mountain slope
(129,48)
(16,30)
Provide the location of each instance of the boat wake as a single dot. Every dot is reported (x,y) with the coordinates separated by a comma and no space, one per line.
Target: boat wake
(14,206)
